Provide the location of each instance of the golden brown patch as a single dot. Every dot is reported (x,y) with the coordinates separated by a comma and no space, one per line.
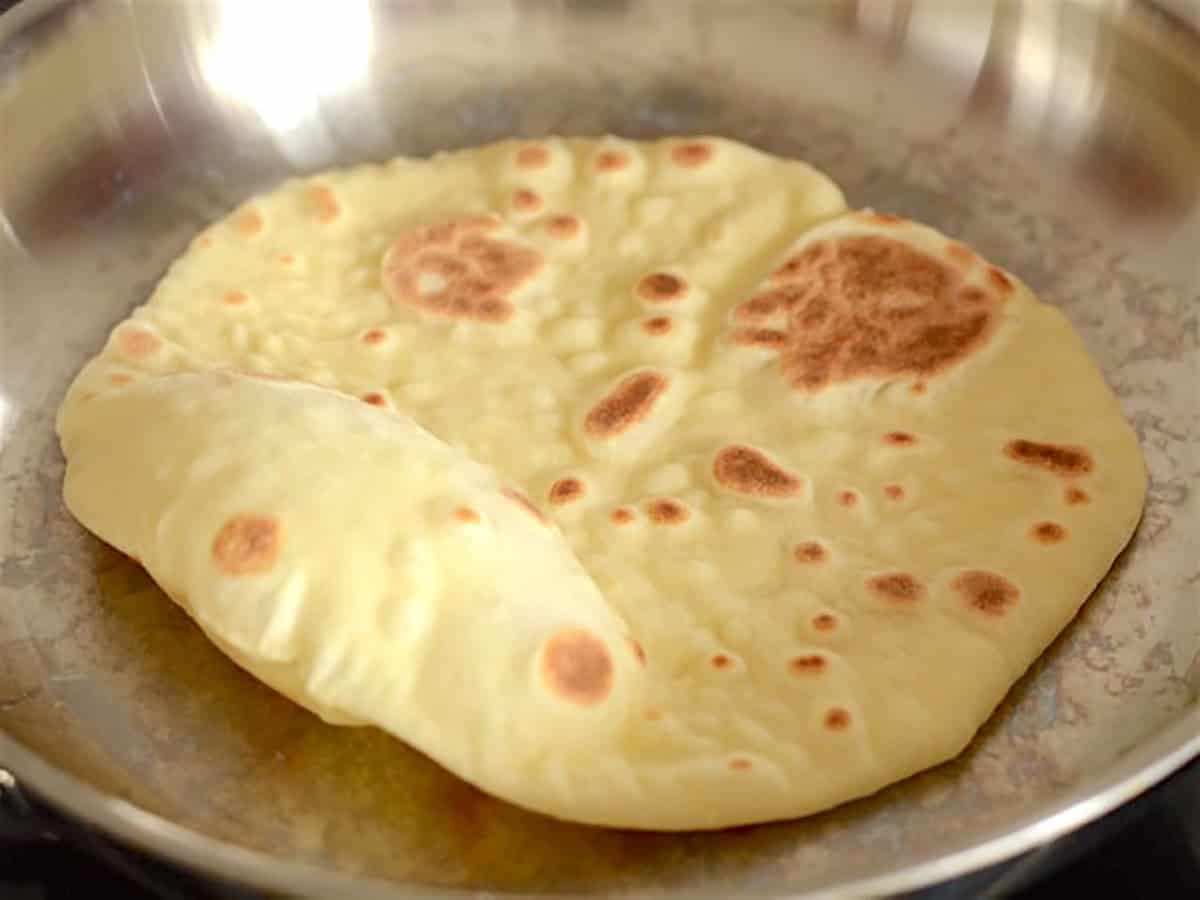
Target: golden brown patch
(1064,461)
(809,664)
(526,200)
(999,280)
(750,471)
(656,326)
(767,338)
(873,306)
(1048,532)
(325,202)
(287,258)
(1076,496)
(837,719)
(247,544)
(611,160)
(666,511)
(234,298)
(374,398)
(204,241)
(533,156)
(250,223)
(882,218)
(576,667)
(986,592)
(691,155)
(137,343)
(120,379)
(466,514)
(661,287)
(825,622)
(622,515)
(762,306)
(810,552)
(566,490)
(627,404)
(894,491)
(919,387)
(898,587)
(740,764)
(453,269)
(652,713)
(374,336)
(961,253)
(525,503)
(563,227)
(900,439)
(638,653)
(721,661)
(848,499)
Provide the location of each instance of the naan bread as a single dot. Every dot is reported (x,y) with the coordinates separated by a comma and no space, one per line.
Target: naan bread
(836,480)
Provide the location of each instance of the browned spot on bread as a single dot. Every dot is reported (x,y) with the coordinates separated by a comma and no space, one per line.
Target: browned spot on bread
(919,387)
(250,223)
(611,160)
(120,379)
(638,653)
(691,155)
(740,764)
(882,218)
(837,719)
(630,402)
(661,287)
(526,200)
(234,298)
(873,306)
(576,667)
(810,552)
(900,439)
(247,544)
(961,253)
(533,156)
(374,398)
(374,336)
(325,202)
(999,280)
(825,622)
(1048,532)
(721,661)
(652,713)
(894,491)
(848,499)
(986,592)
(809,664)
(137,343)
(1065,461)
(525,503)
(204,241)
(750,471)
(973,296)
(455,270)
(1076,496)
(666,511)
(566,490)
(287,258)
(899,587)
(767,338)
(656,326)
(761,306)
(563,227)
(623,515)
(466,514)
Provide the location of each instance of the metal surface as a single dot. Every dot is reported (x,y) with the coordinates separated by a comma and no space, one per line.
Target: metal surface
(1061,140)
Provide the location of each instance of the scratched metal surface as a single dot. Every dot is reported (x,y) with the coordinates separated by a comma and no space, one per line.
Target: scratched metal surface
(1061,140)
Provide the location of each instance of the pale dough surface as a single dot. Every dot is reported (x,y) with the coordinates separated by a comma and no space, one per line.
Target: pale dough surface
(824,483)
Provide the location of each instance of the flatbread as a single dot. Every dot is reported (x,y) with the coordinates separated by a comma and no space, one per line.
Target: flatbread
(834,479)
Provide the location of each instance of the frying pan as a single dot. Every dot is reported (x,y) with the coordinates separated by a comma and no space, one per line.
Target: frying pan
(1061,139)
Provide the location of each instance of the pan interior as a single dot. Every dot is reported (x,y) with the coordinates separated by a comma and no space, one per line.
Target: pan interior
(1056,138)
